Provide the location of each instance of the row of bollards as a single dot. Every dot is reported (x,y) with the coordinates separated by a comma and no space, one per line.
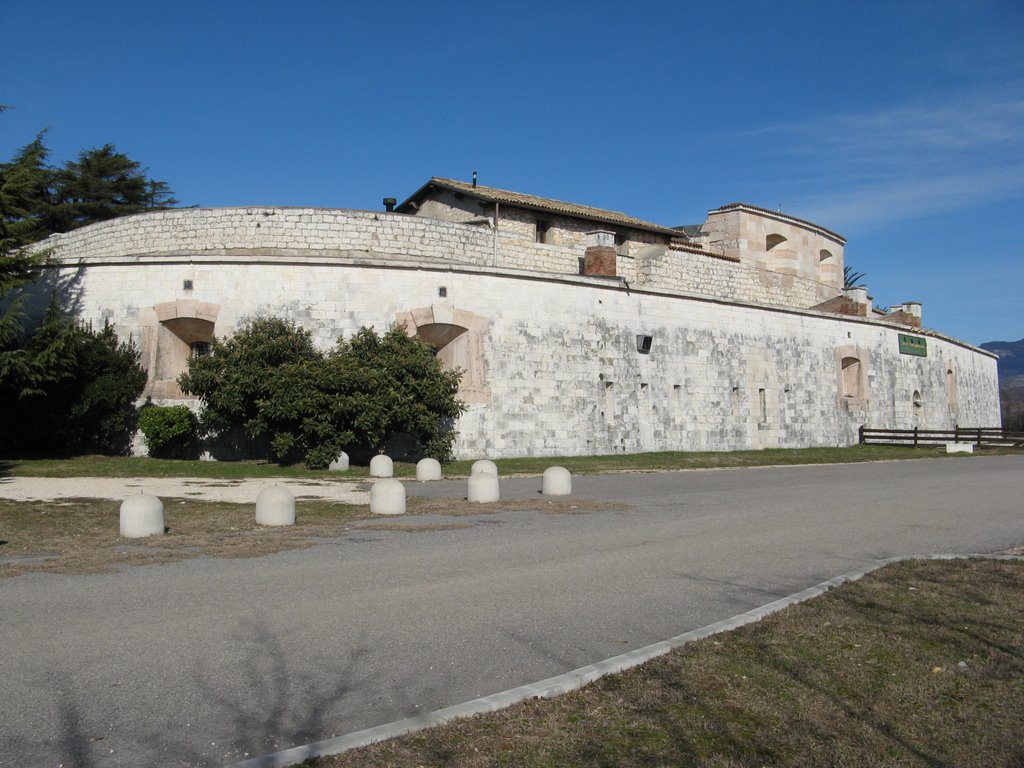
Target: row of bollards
(143,514)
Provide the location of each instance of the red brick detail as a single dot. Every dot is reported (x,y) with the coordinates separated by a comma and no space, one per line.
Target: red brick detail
(903,318)
(599,260)
(843,305)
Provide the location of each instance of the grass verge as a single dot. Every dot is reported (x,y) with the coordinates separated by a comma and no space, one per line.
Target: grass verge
(114,466)
(81,535)
(74,536)
(920,663)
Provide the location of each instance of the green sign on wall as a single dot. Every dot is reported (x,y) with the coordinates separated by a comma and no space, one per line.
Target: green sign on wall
(912,345)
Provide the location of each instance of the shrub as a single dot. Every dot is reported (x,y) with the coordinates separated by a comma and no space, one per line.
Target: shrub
(271,381)
(68,389)
(170,430)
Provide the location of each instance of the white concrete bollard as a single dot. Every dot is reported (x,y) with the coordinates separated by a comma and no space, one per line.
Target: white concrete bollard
(556,482)
(340,464)
(387,497)
(142,515)
(484,467)
(275,506)
(382,466)
(427,470)
(483,488)
(959,447)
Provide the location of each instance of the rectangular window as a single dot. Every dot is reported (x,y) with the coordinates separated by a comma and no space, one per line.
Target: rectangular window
(543,231)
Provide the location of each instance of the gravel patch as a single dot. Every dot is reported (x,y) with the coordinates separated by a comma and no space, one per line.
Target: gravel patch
(238,492)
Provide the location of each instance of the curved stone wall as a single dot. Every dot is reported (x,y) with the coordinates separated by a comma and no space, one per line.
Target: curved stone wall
(559,369)
(330,234)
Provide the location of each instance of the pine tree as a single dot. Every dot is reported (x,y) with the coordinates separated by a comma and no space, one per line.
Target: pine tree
(102,184)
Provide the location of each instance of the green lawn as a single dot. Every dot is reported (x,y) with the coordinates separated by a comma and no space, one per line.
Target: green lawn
(109,466)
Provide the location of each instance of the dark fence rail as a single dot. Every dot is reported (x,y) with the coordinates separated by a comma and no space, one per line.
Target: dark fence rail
(981,437)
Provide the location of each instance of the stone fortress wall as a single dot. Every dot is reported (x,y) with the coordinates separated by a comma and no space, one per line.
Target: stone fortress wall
(345,234)
(555,361)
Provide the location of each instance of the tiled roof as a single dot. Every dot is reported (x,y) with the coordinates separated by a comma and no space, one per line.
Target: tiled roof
(780,215)
(533,202)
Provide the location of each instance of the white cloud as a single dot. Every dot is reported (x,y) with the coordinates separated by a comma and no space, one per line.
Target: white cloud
(902,162)
(867,206)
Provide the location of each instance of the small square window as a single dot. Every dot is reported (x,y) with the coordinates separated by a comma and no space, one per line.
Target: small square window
(187,285)
(442,291)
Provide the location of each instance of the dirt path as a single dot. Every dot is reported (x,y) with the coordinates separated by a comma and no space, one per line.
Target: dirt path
(237,491)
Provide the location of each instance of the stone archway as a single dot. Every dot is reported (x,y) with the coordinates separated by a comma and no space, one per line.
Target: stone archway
(171,333)
(458,336)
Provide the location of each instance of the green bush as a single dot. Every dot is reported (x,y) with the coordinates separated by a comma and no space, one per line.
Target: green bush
(271,381)
(170,430)
(66,389)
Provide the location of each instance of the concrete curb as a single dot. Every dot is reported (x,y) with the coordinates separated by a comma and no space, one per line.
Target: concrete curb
(570,681)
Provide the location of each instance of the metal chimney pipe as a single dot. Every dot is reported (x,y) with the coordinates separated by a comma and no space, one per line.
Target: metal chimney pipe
(389,204)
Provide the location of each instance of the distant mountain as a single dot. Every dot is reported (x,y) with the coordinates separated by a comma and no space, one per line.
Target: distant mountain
(1011,361)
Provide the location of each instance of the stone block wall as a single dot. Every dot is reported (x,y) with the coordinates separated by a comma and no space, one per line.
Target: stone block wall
(563,372)
(330,235)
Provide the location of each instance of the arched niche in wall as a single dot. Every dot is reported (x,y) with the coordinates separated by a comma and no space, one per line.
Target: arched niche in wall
(771,242)
(171,333)
(458,336)
(852,376)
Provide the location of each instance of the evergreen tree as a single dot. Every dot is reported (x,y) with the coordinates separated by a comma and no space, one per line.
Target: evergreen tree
(102,184)
(24,194)
(63,388)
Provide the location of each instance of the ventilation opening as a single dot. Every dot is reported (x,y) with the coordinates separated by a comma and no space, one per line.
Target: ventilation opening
(643,343)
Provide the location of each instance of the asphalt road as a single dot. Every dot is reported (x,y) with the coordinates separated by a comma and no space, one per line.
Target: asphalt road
(206,662)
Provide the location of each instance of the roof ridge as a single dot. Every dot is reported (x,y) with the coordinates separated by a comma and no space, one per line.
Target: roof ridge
(564,207)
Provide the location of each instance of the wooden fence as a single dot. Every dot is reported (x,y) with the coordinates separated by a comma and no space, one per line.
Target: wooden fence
(980,437)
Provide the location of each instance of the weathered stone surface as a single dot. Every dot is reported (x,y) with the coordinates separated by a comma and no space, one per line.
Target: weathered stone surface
(275,506)
(387,497)
(142,515)
(483,488)
(553,358)
(428,469)
(382,466)
(484,467)
(557,481)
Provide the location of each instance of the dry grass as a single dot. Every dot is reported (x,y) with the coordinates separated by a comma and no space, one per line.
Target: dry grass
(919,664)
(81,535)
(74,536)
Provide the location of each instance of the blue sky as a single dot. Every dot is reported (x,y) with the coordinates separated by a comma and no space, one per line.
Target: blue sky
(899,125)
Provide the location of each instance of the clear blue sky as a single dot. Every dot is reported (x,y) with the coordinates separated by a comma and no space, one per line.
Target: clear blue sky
(898,124)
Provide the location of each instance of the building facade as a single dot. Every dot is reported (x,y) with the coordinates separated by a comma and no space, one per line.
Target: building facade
(579,330)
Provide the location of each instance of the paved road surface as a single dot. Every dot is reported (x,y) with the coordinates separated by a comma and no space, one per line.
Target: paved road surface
(208,661)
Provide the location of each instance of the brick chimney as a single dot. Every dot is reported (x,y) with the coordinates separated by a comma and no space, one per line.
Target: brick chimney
(599,258)
(907,313)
